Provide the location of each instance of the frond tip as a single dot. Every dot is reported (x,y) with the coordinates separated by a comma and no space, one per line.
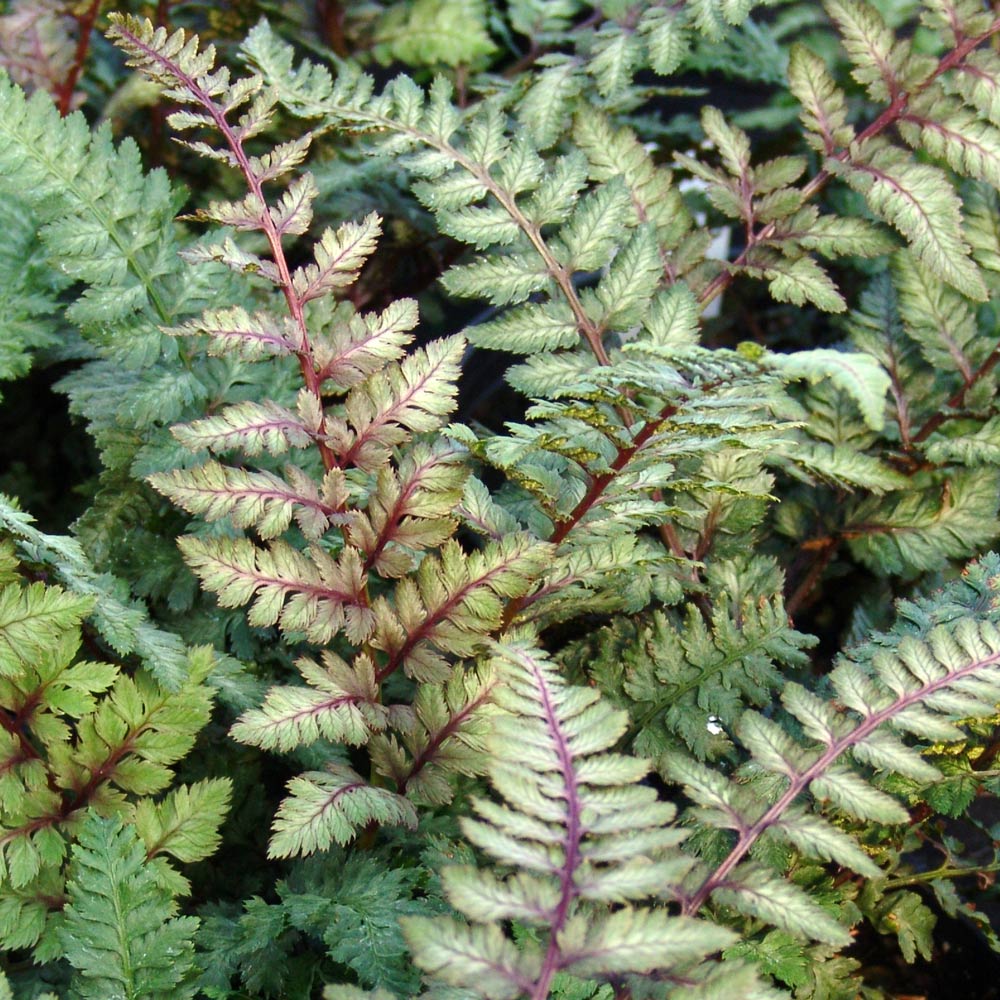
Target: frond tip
(119,933)
(330,806)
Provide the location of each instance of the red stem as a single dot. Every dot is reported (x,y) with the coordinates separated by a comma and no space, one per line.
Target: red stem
(568,890)
(597,487)
(957,399)
(85,26)
(885,120)
(307,364)
(798,784)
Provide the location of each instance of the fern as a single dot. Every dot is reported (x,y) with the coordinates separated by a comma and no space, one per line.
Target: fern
(902,685)
(706,395)
(687,684)
(563,792)
(381,528)
(913,682)
(80,734)
(118,929)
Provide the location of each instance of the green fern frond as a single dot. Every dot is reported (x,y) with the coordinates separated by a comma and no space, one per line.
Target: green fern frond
(185,823)
(912,683)
(119,932)
(105,222)
(28,300)
(922,529)
(692,683)
(80,734)
(124,624)
(31,618)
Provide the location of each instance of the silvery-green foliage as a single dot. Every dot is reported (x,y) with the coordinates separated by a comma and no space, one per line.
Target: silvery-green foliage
(544,689)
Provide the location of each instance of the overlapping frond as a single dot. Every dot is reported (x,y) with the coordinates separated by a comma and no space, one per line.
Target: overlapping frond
(381,570)
(908,688)
(79,733)
(119,933)
(560,793)
(688,683)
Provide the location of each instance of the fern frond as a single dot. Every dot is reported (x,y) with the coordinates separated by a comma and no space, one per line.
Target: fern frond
(454,602)
(124,624)
(77,734)
(347,353)
(260,500)
(922,529)
(977,80)
(106,223)
(857,374)
(37,45)
(913,682)
(31,618)
(562,792)
(316,595)
(236,331)
(412,396)
(250,427)
(918,201)
(444,735)
(185,823)
(692,683)
(941,321)
(339,255)
(326,807)
(340,703)
(883,63)
(29,295)
(119,932)
(409,509)
(824,105)
(951,133)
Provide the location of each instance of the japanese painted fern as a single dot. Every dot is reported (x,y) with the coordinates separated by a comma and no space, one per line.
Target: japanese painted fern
(538,682)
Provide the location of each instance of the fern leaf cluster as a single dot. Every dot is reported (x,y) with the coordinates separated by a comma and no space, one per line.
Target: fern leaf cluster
(794,800)
(82,739)
(536,587)
(562,796)
(375,498)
